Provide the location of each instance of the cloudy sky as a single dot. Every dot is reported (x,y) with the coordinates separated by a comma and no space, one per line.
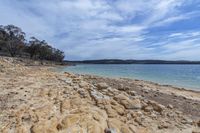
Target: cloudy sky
(99,29)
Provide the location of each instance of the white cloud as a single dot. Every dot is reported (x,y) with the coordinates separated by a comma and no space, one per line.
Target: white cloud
(85,28)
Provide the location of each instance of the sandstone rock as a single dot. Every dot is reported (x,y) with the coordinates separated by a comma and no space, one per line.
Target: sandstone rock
(157,107)
(196,131)
(163,125)
(170,106)
(114,124)
(146,91)
(128,103)
(110,130)
(102,86)
(119,109)
(136,104)
(133,93)
(76,80)
(187,120)
(76,101)
(139,120)
(198,123)
(148,108)
(82,92)
(68,103)
(125,129)
(65,105)
(121,87)
(21,129)
(94,127)
(111,112)
(83,84)
(49,126)
(98,95)
(69,121)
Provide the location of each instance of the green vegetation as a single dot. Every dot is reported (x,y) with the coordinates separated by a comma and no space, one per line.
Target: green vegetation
(13,43)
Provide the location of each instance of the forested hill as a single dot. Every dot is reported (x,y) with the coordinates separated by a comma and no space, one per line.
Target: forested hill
(118,61)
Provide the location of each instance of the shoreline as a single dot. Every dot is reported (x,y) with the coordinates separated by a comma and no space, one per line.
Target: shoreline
(179,85)
(38,99)
(195,90)
(151,87)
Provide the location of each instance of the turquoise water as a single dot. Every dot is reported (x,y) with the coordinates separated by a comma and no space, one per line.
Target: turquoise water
(187,76)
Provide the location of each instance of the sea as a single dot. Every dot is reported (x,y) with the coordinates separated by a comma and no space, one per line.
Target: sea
(186,76)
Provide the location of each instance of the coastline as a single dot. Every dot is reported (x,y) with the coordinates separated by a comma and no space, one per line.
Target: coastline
(182,76)
(37,99)
(154,91)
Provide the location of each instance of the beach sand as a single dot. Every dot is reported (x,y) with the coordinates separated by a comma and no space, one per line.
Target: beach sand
(36,99)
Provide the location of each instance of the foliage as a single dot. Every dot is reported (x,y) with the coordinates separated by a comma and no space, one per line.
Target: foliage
(12,41)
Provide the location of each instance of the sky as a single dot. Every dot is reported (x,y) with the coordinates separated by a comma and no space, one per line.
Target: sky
(111,29)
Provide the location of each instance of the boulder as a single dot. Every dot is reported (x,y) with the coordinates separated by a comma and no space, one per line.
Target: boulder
(156,106)
(83,84)
(102,85)
(111,112)
(170,106)
(128,103)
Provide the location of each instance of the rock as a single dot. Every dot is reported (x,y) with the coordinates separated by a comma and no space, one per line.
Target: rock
(65,105)
(195,131)
(139,120)
(69,121)
(83,84)
(132,93)
(119,109)
(170,106)
(76,80)
(198,123)
(49,126)
(148,109)
(82,92)
(102,85)
(163,125)
(157,107)
(128,103)
(93,127)
(187,120)
(114,124)
(98,95)
(121,87)
(22,129)
(146,91)
(136,104)
(110,130)
(125,129)
(111,112)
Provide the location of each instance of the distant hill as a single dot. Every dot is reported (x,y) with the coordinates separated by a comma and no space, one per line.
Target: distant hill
(118,61)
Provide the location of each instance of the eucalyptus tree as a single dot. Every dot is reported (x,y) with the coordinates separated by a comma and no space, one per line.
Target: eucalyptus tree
(14,39)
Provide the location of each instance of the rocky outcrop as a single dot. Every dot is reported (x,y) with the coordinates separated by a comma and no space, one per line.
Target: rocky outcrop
(37,100)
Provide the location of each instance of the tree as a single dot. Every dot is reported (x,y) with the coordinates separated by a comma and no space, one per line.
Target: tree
(14,39)
(45,51)
(58,55)
(34,46)
(3,37)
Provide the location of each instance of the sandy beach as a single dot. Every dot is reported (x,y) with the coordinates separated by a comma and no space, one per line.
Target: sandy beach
(36,99)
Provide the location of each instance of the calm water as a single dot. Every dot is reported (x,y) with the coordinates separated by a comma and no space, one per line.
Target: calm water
(187,76)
